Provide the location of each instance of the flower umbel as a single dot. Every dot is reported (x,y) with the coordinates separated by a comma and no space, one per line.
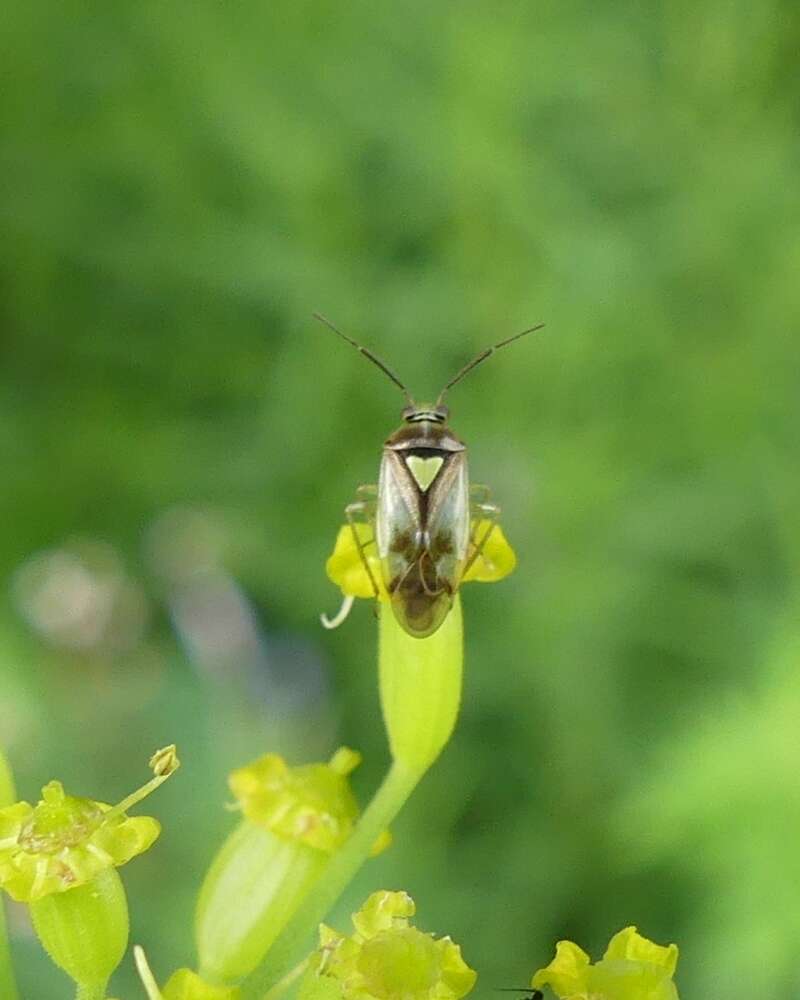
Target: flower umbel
(387,958)
(65,841)
(633,968)
(345,566)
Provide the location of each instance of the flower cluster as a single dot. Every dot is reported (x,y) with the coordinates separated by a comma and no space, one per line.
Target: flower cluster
(300,839)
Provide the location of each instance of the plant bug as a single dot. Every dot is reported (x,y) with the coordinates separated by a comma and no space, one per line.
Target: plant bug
(423,512)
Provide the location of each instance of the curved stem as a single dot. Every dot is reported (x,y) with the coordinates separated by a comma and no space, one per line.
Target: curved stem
(291,977)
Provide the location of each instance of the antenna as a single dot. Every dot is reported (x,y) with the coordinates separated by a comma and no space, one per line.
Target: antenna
(372,357)
(487,352)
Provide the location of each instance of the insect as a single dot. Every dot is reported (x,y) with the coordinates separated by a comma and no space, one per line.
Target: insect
(424,513)
(532,994)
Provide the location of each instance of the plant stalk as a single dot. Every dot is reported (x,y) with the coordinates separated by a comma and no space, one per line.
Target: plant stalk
(8,986)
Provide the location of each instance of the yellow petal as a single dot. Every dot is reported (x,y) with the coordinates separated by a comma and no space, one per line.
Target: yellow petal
(629,944)
(567,974)
(496,559)
(345,566)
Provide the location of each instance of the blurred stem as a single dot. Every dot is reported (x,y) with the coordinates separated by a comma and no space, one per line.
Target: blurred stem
(285,953)
(8,794)
(8,987)
(291,977)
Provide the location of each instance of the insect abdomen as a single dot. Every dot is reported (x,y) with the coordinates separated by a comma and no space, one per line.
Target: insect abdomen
(419,600)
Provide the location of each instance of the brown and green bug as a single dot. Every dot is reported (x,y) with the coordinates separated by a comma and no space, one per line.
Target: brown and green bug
(423,512)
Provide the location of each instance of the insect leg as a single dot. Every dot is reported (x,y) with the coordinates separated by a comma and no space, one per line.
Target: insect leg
(361,511)
(479,493)
(481,512)
(365,510)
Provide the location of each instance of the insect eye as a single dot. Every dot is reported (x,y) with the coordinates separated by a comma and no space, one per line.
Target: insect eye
(443,411)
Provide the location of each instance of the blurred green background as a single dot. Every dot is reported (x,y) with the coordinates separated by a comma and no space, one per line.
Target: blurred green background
(181,186)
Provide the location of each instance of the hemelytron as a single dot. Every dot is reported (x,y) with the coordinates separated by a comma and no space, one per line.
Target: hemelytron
(423,512)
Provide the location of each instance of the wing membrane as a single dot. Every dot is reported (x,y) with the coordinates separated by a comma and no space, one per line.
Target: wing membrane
(448,523)
(398,520)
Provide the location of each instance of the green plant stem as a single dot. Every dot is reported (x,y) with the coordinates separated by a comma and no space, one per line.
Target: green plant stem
(8,986)
(277,991)
(396,787)
(87,991)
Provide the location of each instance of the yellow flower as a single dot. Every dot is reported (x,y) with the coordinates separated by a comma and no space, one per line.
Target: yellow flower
(387,958)
(311,804)
(346,569)
(633,968)
(61,857)
(345,566)
(65,841)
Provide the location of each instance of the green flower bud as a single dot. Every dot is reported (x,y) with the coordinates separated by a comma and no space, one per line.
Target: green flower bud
(295,818)
(387,958)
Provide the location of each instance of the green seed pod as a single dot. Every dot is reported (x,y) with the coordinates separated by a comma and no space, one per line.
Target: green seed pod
(85,930)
